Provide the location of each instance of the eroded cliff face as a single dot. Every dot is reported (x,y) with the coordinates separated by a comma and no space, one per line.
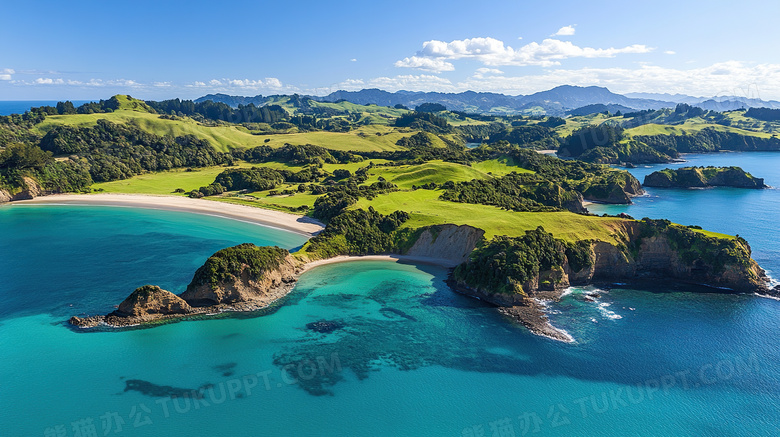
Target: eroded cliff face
(662,256)
(450,242)
(641,255)
(245,287)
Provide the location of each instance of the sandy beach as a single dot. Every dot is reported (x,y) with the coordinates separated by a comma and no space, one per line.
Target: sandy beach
(275,219)
(397,258)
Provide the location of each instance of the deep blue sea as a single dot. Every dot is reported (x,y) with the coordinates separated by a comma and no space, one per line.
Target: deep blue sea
(8,107)
(407,357)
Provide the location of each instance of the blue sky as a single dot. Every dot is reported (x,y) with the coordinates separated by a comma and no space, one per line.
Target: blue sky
(165,49)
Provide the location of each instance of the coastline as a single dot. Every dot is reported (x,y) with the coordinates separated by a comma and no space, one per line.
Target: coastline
(274,295)
(396,258)
(302,225)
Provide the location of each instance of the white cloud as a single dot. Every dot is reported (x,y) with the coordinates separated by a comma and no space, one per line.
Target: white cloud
(484,70)
(565,31)
(5,74)
(730,78)
(493,52)
(161,84)
(670,52)
(409,82)
(353,60)
(273,83)
(49,81)
(244,85)
(427,64)
(91,83)
(5,77)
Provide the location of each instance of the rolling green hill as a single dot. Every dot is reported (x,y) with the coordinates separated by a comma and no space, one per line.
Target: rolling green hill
(223,138)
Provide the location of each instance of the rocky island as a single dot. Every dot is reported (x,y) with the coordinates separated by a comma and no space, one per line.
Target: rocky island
(703,177)
(239,278)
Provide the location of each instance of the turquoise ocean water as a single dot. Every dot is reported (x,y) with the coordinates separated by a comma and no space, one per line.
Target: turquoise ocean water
(402,354)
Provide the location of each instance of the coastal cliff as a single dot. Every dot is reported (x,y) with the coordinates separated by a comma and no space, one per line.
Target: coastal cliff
(29,189)
(702,177)
(620,190)
(451,242)
(514,273)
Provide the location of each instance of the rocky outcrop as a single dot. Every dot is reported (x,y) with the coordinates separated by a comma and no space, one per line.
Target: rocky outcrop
(674,252)
(702,177)
(612,193)
(619,191)
(151,300)
(240,278)
(450,242)
(575,204)
(737,178)
(30,189)
(145,304)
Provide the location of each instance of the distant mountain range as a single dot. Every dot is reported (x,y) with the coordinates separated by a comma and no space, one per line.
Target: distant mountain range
(561,100)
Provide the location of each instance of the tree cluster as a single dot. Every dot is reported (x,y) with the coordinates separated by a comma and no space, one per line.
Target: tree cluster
(504,264)
(359,232)
(232,262)
(119,151)
(220,111)
(296,155)
(764,114)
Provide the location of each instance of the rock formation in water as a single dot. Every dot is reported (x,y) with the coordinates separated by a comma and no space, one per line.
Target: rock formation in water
(244,277)
(703,177)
